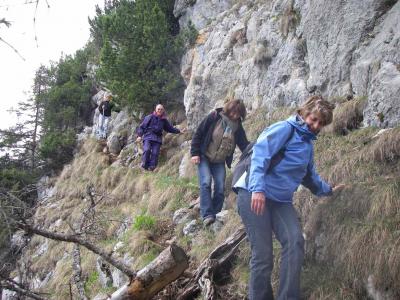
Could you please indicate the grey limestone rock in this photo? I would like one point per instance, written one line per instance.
(182, 215)
(278, 53)
(191, 228)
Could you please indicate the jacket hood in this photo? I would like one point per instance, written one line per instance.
(297, 122)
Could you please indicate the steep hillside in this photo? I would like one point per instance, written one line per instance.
(352, 240)
(273, 55)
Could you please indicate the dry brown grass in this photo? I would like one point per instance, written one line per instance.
(385, 148)
(259, 120)
(360, 226)
(347, 116)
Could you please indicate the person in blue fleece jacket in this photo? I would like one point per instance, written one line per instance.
(265, 201)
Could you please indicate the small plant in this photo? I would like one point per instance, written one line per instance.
(187, 37)
(91, 281)
(144, 222)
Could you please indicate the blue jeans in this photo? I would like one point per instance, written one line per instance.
(102, 126)
(282, 219)
(211, 205)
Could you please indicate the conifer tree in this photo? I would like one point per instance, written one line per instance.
(139, 55)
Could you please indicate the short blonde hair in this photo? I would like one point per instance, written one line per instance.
(318, 106)
(237, 106)
(107, 96)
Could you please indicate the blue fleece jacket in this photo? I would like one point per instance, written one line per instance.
(296, 167)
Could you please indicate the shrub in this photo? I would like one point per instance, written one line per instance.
(57, 148)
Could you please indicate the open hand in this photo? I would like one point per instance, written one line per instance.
(183, 130)
(258, 203)
(139, 139)
(196, 160)
(337, 188)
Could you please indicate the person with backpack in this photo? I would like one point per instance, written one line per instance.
(105, 108)
(265, 196)
(212, 146)
(150, 131)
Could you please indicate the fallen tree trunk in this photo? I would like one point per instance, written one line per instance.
(203, 277)
(167, 267)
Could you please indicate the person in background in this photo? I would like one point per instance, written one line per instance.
(105, 108)
(150, 132)
(265, 201)
(212, 146)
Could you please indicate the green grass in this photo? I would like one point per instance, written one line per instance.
(91, 282)
(144, 222)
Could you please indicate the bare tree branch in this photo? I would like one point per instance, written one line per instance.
(5, 22)
(12, 285)
(78, 240)
(11, 46)
(203, 277)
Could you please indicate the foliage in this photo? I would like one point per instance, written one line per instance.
(66, 106)
(144, 222)
(139, 52)
(91, 281)
(58, 147)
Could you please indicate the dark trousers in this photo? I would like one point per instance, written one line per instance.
(151, 150)
(280, 218)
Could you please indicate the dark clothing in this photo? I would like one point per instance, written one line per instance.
(203, 135)
(151, 130)
(151, 150)
(105, 108)
(152, 127)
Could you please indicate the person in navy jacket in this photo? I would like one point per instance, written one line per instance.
(265, 201)
(150, 131)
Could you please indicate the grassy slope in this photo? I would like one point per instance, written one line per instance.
(360, 228)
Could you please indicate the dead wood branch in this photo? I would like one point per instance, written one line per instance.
(80, 241)
(167, 267)
(203, 277)
(12, 285)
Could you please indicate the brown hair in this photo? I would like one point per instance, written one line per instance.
(237, 106)
(319, 106)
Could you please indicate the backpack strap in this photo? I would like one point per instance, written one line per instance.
(276, 159)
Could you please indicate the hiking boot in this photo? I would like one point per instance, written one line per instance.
(208, 221)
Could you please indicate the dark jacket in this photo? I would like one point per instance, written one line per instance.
(202, 137)
(105, 108)
(152, 127)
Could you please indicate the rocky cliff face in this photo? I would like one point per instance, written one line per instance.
(277, 53)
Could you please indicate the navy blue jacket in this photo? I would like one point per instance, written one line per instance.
(152, 127)
(202, 137)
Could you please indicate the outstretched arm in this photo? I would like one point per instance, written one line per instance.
(314, 183)
(169, 128)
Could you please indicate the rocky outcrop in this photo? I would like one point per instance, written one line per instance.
(277, 53)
